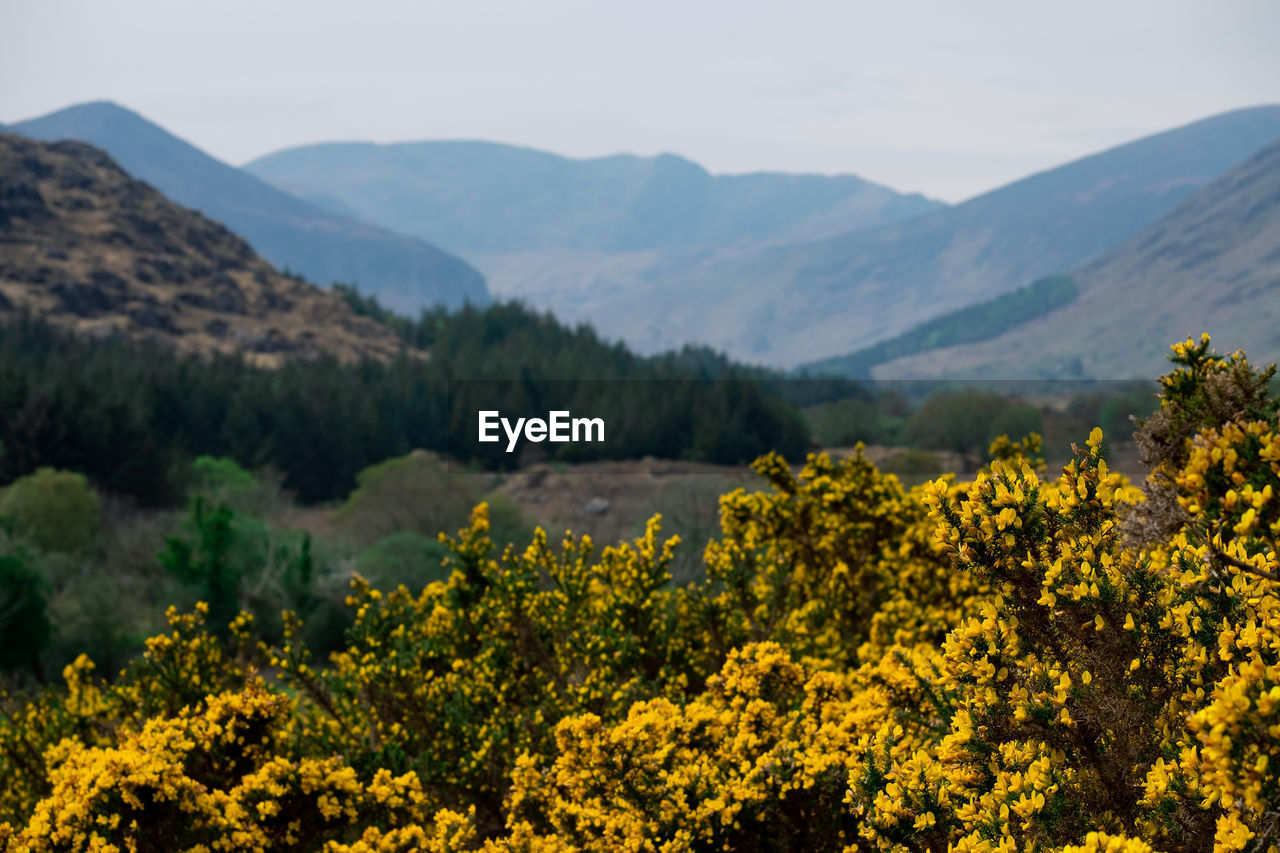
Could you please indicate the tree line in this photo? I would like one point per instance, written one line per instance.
(128, 413)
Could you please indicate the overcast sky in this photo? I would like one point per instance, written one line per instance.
(947, 98)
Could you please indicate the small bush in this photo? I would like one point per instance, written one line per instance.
(967, 421)
(220, 480)
(407, 557)
(912, 462)
(24, 624)
(413, 492)
(57, 511)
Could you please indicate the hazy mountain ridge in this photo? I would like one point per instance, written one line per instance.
(485, 198)
(1213, 265)
(785, 303)
(404, 272)
(852, 291)
(91, 249)
(623, 243)
(978, 322)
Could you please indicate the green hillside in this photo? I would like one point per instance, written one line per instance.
(1212, 265)
(975, 323)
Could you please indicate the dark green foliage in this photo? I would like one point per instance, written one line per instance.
(205, 561)
(299, 575)
(234, 562)
(24, 624)
(844, 423)
(57, 511)
(967, 421)
(417, 334)
(407, 557)
(125, 415)
(527, 333)
(980, 322)
(86, 407)
(912, 462)
(217, 475)
(1110, 408)
(408, 493)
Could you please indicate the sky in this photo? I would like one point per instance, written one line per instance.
(946, 98)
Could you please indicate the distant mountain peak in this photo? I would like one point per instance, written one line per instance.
(100, 107)
(101, 115)
(485, 198)
(405, 273)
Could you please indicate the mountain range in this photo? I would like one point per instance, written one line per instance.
(91, 249)
(772, 269)
(1212, 265)
(783, 305)
(404, 272)
(1171, 230)
(482, 198)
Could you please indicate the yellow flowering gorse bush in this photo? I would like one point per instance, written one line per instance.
(1025, 661)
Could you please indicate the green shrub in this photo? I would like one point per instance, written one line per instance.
(414, 492)
(103, 615)
(221, 480)
(215, 474)
(406, 557)
(204, 561)
(912, 462)
(506, 522)
(234, 562)
(24, 624)
(843, 423)
(54, 510)
(967, 421)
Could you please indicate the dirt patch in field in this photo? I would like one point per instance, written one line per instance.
(612, 501)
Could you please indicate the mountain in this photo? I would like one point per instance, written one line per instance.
(971, 324)
(405, 273)
(1212, 265)
(761, 298)
(791, 304)
(482, 199)
(93, 250)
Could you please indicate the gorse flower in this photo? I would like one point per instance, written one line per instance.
(1025, 661)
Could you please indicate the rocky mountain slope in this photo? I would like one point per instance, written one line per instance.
(1212, 265)
(803, 302)
(405, 273)
(758, 299)
(91, 249)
